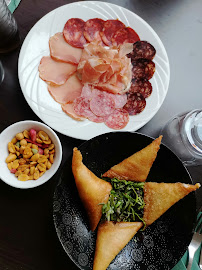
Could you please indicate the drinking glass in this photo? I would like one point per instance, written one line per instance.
(9, 34)
(183, 135)
(1, 73)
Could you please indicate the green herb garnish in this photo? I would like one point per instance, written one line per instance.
(126, 202)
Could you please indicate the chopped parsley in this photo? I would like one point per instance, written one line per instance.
(126, 202)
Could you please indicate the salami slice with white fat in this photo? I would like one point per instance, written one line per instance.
(102, 104)
(143, 87)
(92, 29)
(118, 119)
(135, 103)
(142, 49)
(73, 32)
(109, 29)
(82, 108)
(119, 100)
(125, 35)
(143, 69)
(86, 91)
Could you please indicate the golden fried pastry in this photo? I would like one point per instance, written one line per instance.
(159, 197)
(111, 238)
(136, 167)
(92, 190)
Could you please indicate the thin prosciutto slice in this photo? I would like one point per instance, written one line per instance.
(62, 51)
(55, 72)
(67, 92)
(106, 69)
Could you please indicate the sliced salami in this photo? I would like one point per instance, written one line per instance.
(143, 69)
(109, 29)
(102, 104)
(143, 87)
(86, 91)
(142, 49)
(118, 119)
(120, 100)
(135, 103)
(126, 35)
(92, 29)
(73, 32)
(82, 108)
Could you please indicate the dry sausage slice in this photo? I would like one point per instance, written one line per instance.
(143, 69)
(109, 29)
(135, 104)
(92, 29)
(142, 49)
(126, 35)
(102, 104)
(73, 32)
(118, 119)
(143, 87)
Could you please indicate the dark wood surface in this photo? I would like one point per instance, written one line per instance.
(28, 240)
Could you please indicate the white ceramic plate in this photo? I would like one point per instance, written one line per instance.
(36, 46)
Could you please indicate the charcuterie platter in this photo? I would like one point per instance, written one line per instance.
(105, 101)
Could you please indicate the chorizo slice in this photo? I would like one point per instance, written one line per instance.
(92, 29)
(73, 32)
(143, 69)
(109, 29)
(143, 87)
(126, 35)
(142, 49)
(118, 119)
(135, 103)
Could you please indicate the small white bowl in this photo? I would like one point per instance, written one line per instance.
(7, 135)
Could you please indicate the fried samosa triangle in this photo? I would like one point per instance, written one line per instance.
(159, 197)
(92, 190)
(111, 239)
(136, 167)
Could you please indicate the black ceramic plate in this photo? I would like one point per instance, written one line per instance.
(162, 244)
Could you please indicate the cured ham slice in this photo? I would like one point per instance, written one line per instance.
(69, 110)
(55, 72)
(73, 32)
(109, 29)
(62, 51)
(92, 29)
(67, 92)
(104, 69)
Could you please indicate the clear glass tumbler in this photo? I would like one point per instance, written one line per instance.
(183, 135)
(9, 34)
(1, 72)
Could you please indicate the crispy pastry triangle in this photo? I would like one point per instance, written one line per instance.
(136, 167)
(159, 197)
(111, 238)
(92, 190)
